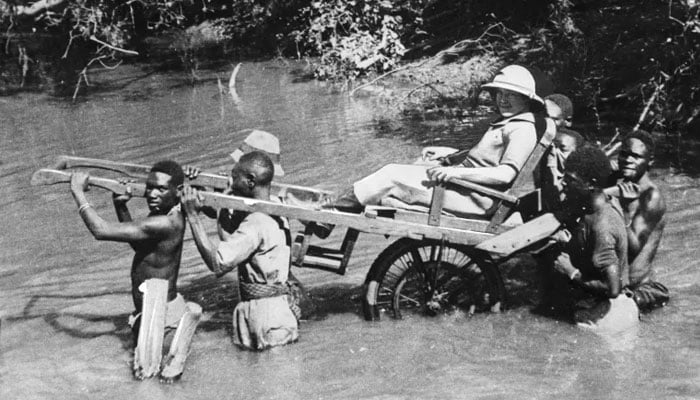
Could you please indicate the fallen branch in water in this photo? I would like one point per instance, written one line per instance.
(232, 80)
(232, 84)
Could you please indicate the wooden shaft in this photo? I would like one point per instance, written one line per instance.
(209, 180)
(51, 176)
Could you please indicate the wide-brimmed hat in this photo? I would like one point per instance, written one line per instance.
(528, 81)
(262, 141)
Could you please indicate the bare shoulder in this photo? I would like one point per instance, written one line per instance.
(652, 200)
(173, 222)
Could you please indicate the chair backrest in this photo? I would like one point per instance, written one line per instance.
(529, 173)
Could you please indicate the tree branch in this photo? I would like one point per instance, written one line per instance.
(32, 10)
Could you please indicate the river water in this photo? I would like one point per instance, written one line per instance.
(64, 297)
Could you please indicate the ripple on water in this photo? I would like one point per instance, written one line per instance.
(65, 297)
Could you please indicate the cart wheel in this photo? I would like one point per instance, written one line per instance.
(429, 277)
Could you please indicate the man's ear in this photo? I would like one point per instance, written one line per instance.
(250, 180)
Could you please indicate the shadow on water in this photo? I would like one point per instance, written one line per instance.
(80, 325)
(219, 298)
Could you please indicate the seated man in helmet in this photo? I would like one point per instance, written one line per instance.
(495, 161)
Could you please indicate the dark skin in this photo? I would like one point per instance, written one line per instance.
(244, 182)
(156, 239)
(643, 206)
(587, 198)
(225, 219)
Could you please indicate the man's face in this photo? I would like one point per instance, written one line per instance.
(565, 143)
(578, 193)
(239, 183)
(634, 159)
(160, 194)
(554, 112)
(511, 103)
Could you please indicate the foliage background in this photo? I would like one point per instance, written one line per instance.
(615, 58)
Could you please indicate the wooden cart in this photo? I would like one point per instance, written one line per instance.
(439, 261)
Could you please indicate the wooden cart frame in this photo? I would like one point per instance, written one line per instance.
(438, 261)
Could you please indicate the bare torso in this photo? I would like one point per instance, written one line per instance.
(159, 258)
(645, 225)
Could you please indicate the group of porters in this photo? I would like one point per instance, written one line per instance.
(605, 219)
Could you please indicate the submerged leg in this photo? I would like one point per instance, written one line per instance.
(174, 363)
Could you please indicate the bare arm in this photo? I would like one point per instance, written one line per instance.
(157, 227)
(123, 214)
(119, 201)
(609, 286)
(221, 258)
(648, 217)
(206, 248)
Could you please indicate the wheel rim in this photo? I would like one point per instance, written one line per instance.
(421, 278)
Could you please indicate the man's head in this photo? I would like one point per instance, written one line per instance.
(163, 186)
(560, 109)
(587, 171)
(252, 172)
(567, 141)
(636, 155)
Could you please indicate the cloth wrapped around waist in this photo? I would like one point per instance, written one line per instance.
(253, 291)
(174, 310)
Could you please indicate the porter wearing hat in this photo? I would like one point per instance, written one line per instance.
(262, 141)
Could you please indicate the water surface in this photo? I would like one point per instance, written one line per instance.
(64, 296)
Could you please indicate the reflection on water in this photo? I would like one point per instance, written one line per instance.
(65, 296)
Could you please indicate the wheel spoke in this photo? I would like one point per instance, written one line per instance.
(409, 299)
(432, 277)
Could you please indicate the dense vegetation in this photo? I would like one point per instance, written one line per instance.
(618, 59)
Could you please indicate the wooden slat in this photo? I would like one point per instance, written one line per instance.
(378, 225)
(475, 187)
(436, 205)
(521, 236)
(46, 176)
(209, 180)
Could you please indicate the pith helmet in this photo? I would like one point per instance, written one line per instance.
(262, 141)
(528, 81)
